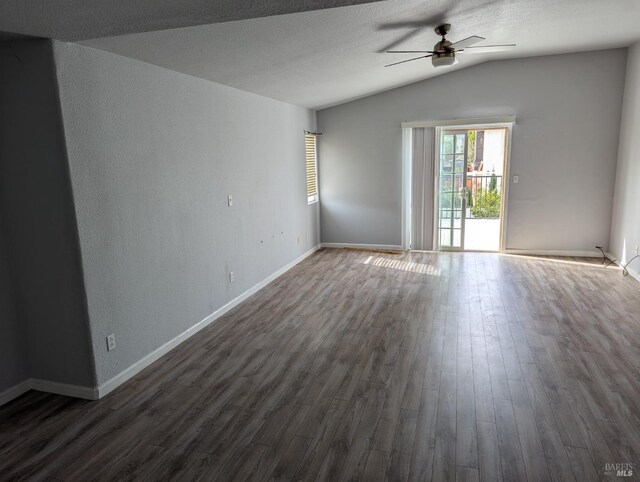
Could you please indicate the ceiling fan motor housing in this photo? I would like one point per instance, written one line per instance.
(443, 54)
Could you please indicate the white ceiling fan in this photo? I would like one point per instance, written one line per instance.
(444, 52)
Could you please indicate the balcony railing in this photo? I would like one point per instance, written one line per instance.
(484, 195)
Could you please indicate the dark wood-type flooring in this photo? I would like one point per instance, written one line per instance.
(369, 366)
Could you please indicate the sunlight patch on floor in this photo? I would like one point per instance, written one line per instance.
(411, 266)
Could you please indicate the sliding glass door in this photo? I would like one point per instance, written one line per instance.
(452, 176)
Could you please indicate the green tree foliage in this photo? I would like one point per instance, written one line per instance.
(471, 148)
(493, 183)
(487, 205)
(447, 144)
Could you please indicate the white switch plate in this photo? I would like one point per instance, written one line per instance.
(516, 179)
(111, 342)
(230, 200)
(232, 276)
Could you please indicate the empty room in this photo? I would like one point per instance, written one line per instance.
(320, 240)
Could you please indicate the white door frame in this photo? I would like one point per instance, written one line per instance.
(505, 183)
(407, 135)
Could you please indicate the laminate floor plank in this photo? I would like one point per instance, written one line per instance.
(386, 428)
(488, 452)
(377, 466)
(424, 444)
(290, 460)
(330, 465)
(535, 462)
(358, 452)
(434, 360)
(508, 442)
(582, 464)
(444, 465)
(415, 381)
(601, 452)
(402, 448)
(466, 474)
(556, 456)
(465, 434)
(497, 373)
(482, 393)
(367, 365)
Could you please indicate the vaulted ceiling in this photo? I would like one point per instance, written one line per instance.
(84, 19)
(320, 53)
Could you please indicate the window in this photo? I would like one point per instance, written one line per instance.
(311, 156)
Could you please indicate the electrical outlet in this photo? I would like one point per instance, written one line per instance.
(111, 342)
(232, 276)
(230, 200)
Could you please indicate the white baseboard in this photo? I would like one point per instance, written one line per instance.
(389, 247)
(633, 268)
(15, 391)
(140, 365)
(94, 393)
(77, 391)
(550, 252)
(634, 272)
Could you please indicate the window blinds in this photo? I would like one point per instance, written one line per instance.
(311, 155)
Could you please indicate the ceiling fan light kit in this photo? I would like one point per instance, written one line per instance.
(444, 52)
(443, 59)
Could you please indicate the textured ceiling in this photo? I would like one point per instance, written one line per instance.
(84, 19)
(320, 56)
(326, 57)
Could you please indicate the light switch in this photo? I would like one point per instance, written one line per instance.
(111, 342)
(516, 179)
(230, 200)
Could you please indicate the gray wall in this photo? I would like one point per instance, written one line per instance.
(153, 154)
(39, 219)
(13, 349)
(564, 148)
(625, 227)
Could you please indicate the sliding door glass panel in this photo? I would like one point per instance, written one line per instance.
(453, 146)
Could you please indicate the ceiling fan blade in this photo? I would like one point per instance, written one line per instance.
(486, 49)
(409, 60)
(410, 51)
(464, 43)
